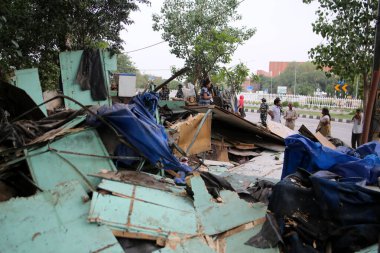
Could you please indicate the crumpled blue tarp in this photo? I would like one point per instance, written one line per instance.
(301, 152)
(135, 121)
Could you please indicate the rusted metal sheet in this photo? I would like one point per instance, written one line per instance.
(233, 122)
(53, 221)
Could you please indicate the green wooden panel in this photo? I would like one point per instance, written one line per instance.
(49, 169)
(193, 245)
(53, 221)
(236, 242)
(29, 81)
(162, 198)
(219, 217)
(153, 212)
(69, 62)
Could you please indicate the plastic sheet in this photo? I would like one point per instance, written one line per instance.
(301, 152)
(135, 121)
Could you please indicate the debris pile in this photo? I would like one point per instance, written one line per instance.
(109, 177)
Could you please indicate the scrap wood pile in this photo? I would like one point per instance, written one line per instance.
(117, 181)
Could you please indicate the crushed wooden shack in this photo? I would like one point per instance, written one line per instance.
(107, 177)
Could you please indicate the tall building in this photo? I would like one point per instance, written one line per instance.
(277, 67)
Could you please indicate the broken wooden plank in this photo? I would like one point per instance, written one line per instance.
(243, 152)
(324, 141)
(235, 211)
(53, 221)
(141, 179)
(218, 163)
(142, 210)
(279, 129)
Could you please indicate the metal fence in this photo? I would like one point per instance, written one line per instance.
(306, 101)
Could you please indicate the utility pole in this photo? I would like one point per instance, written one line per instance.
(271, 83)
(372, 112)
(295, 77)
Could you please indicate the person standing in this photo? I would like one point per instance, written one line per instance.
(357, 129)
(263, 111)
(275, 111)
(241, 106)
(164, 93)
(205, 95)
(324, 126)
(290, 117)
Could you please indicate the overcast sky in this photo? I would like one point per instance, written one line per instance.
(284, 33)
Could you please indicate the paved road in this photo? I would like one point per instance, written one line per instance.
(338, 129)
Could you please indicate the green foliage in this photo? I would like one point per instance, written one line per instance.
(125, 64)
(284, 103)
(296, 104)
(305, 76)
(348, 30)
(233, 77)
(33, 32)
(198, 31)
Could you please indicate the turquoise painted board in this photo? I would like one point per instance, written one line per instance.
(53, 221)
(219, 217)
(236, 242)
(69, 62)
(49, 168)
(193, 245)
(29, 81)
(143, 210)
(371, 249)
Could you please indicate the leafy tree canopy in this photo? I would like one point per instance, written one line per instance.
(199, 32)
(348, 30)
(33, 32)
(232, 77)
(305, 76)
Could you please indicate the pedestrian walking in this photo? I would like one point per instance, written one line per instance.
(357, 129)
(324, 126)
(263, 111)
(290, 116)
(275, 111)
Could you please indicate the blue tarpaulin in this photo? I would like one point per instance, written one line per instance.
(135, 121)
(301, 152)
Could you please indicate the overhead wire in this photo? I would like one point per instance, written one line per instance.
(158, 43)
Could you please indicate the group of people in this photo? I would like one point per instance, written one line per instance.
(275, 112)
(324, 125)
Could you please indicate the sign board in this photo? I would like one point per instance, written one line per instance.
(127, 85)
(249, 88)
(281, 89)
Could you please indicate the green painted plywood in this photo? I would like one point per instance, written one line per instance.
(193, 245)
(220, 217)
(29, 81)
(69, 62)
(49, 168)
(53, 221)
(236, 242)
(143, 210)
